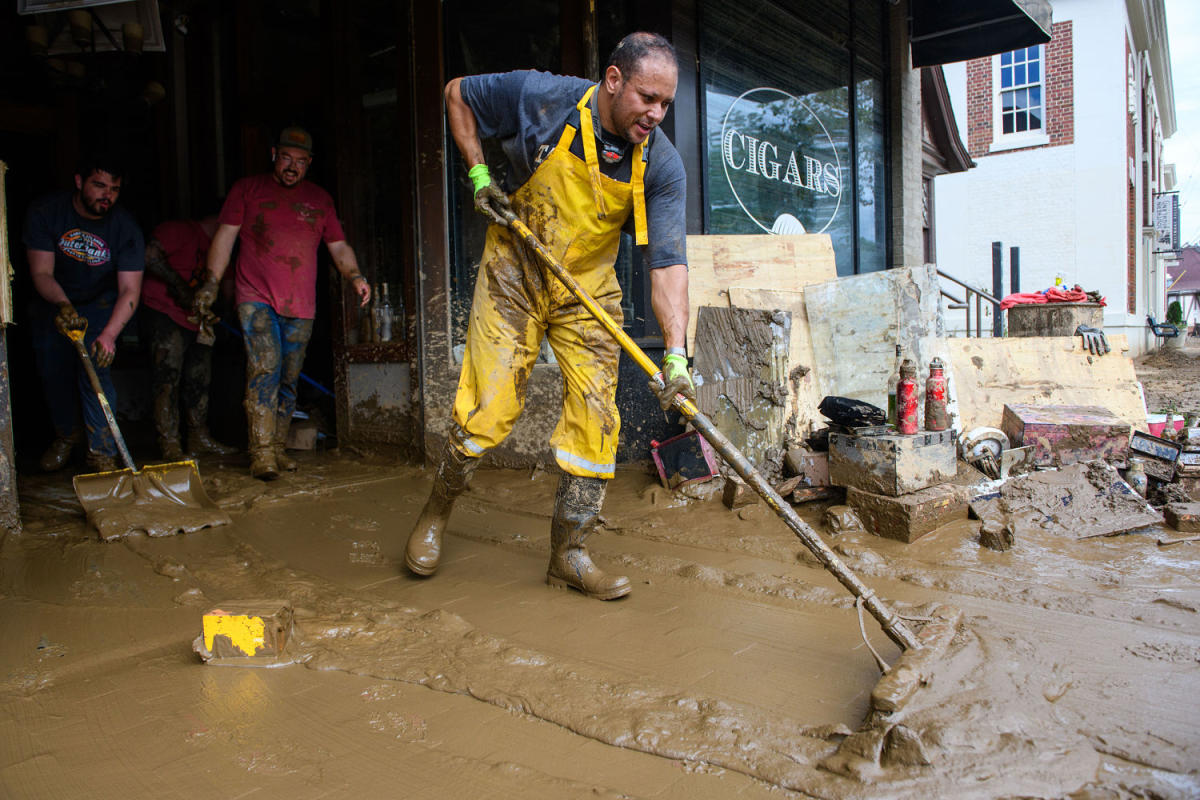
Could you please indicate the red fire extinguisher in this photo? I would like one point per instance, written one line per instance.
(937, 418)
(906, 398)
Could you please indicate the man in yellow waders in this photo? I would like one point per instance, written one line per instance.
(585, 158)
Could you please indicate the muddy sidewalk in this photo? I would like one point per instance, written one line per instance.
(735, 668)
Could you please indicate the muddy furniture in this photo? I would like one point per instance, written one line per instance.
(1062, 435)
(1162, 330)
(1053, 319)
(892, 464)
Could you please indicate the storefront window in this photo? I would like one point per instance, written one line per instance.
(788, 148)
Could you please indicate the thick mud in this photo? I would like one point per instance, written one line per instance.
(735, 668)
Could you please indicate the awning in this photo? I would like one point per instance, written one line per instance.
(945, 31)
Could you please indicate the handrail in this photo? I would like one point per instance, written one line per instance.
(965, 303)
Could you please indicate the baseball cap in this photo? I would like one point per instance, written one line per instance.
(295, 137)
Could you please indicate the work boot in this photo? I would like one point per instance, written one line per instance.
(58, 453)
(576, 514)
(170, 448)
(101, 462)
(201, 443)
(424, 549)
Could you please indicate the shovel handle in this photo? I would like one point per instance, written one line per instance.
(891, 623)
(76, 337)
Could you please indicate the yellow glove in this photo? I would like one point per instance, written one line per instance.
(490, 200)
(677, 379)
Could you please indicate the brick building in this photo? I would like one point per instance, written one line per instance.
(1067, 138)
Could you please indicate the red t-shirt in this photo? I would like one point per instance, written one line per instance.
(186, 246)
(280, 230)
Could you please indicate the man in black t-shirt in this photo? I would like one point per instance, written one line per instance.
(85, 257)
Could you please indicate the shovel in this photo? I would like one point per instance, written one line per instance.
(891, 623)
(160, 500)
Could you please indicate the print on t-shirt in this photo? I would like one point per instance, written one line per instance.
(83, 246)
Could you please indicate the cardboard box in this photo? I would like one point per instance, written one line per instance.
(894, 464)
(1063, 435)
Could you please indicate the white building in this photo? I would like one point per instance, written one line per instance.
(1067, 139)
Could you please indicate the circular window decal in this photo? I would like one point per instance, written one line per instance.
(780, 162)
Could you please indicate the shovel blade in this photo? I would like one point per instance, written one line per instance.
(158, 500)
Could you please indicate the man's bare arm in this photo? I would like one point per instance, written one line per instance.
(669, 300)
(347, 264)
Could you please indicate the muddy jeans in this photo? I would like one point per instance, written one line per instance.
(64, 379)
(178, 365)
(275, 348)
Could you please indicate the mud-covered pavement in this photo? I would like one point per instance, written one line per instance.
(734, 669)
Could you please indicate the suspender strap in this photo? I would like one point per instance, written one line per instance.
(589, 152)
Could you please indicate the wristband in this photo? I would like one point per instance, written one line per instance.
(676, 351)
(358, 277)
(479, 176)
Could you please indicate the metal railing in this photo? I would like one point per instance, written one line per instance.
(979, 297)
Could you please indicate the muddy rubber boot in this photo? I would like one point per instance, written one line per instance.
(170, 448)
(58, 453)
(424, 549)
(100, 462)
(576, 515)
(262, 463)
(261, 421)
(286, 463)
(201, 443)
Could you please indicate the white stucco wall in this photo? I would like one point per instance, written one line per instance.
(1064, 206)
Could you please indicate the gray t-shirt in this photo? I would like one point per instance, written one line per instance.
(526, 112)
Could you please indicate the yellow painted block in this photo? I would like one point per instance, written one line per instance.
(246, 629)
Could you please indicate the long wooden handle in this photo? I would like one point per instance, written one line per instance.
(891, 623)
(76, 336)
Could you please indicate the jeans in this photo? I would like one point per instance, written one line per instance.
(275, 347)
(64, 380)
(179, 366)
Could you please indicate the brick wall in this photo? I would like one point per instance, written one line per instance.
(1058, 95)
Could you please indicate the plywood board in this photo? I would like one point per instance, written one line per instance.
(741, 365)
(803, 396)
(765, 261)
(1053, 370)
(856, 322)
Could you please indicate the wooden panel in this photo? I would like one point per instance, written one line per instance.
(741, 357)
(716, 263)
(988, 373)
(803, 395)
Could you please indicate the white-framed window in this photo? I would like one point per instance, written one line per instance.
(1019, 83)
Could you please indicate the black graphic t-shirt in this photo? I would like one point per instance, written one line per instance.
(88, 253)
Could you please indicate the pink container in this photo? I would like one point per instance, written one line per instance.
(1157, 423)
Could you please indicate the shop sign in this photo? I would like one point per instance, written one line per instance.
(1166, 222)
(780, 162)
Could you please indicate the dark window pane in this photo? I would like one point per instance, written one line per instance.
(1006, 102)
(1008, 123)
(1022, 121)
(1035, 119)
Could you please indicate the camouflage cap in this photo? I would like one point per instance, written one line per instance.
(296, 137)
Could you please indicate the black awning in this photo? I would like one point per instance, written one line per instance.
(945, 31)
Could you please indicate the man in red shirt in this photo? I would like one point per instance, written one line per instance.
(175, 264)
(279, 219)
